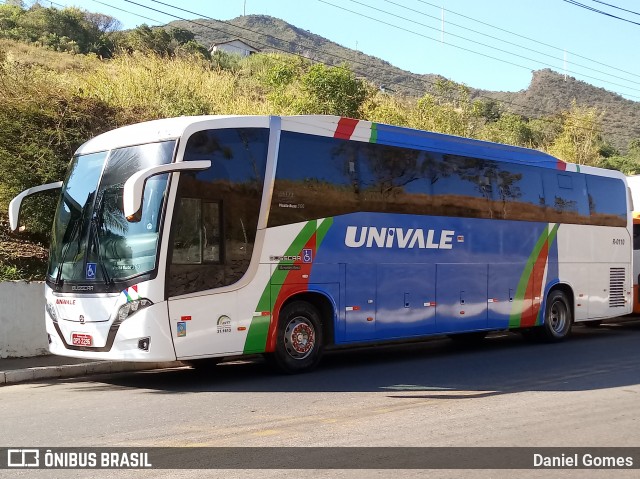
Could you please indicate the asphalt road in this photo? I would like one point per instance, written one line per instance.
(503, 392)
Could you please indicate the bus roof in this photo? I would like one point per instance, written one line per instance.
(139, 133)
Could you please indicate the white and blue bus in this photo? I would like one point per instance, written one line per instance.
(200, 238)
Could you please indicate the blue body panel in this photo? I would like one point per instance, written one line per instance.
(408, 276)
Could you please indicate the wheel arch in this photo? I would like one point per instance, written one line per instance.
(322, 301)
(568, 292)
(325, 306)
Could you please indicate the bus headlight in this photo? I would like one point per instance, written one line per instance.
(132, 307)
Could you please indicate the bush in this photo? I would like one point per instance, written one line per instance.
(334, 91)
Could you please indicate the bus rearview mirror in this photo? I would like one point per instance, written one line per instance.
(134, 186)
(16, 203)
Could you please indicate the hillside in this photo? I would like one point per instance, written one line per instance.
(269, 34)
(549, 93)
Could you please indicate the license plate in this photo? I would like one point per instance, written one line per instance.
(79, 339)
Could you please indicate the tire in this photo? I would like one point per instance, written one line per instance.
(299, 341)
(557, 317)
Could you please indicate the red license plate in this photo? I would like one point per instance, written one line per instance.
(79, 339)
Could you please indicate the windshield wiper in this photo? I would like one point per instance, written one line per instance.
(95, 233)
(65, 250)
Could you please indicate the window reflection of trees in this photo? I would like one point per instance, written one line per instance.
(342, 177)
(229, 193)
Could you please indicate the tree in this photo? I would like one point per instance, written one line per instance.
(580, 139)
(334, 91)
(68, 29)
(629, 164)
(509, 128)
(448, 110)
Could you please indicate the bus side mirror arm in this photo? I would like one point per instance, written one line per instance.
(16, 203)
(134, 186)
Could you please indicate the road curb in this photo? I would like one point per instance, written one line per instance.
(78, 370)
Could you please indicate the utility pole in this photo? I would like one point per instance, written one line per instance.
(244, 8)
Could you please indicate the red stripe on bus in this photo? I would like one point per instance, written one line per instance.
(346, 127)
(534, 288)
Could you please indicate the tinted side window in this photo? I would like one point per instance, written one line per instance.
(319, 177)
(216, 212)
(392, 180)
(465, 187)
(566, 197)
(607, 201)
(316, 178)
(520, 193)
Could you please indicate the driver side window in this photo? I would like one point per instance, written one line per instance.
(216, 213)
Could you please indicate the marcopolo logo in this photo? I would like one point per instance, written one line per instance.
(370, 236)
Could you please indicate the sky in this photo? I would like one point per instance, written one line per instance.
(487, 44)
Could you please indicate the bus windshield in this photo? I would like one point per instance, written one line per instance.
(91, 238)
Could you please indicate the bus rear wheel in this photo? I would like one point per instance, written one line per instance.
(299, 338)
(558, 318)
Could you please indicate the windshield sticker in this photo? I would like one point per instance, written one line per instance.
(91, 271)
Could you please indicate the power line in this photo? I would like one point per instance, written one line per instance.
(126, 11)
(346, 59)
(617, 8)
(469, 40)
(427, 82)
(587, 7)
(350, 60)
(511, 43)
(424, 36)
(524, 37)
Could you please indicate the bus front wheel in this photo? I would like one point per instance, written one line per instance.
(558, 317)
(299, 339)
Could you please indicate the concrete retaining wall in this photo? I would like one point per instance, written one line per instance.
(22, 329)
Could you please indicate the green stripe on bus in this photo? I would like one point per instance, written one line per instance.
(516, 316)
(322, 231)
(259, 328)
(552, 237)
(374, 133)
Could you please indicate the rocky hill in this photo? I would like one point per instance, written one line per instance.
(551, 92)
(548, 94)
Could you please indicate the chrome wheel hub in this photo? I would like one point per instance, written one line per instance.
(299, 338)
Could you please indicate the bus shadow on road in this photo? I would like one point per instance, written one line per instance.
(593, 358)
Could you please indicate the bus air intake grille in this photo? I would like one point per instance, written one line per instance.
(616, 287)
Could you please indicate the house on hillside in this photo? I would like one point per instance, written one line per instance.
(236, 47)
